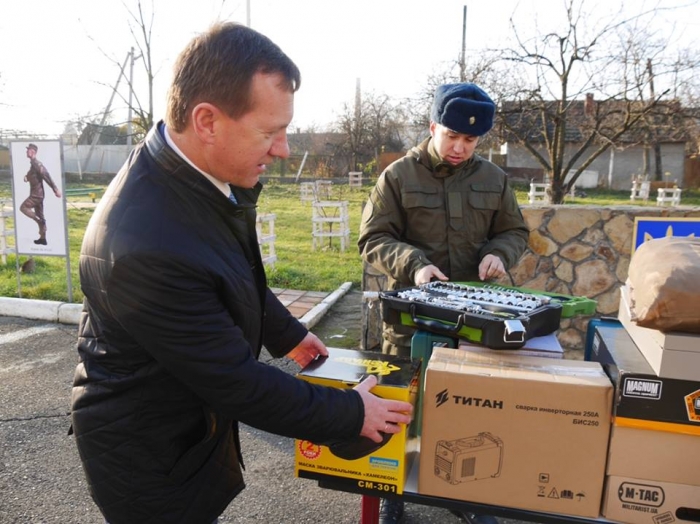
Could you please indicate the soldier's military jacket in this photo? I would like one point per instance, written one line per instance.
(419, 214)
(35, 176)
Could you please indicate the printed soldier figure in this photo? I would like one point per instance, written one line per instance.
(33, 206)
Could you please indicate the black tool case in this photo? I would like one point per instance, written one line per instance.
(498, 317)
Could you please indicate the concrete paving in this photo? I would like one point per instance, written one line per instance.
(41, 480)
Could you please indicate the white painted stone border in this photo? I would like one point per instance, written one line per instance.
(66, 313)
(50, 310)
(316, 313)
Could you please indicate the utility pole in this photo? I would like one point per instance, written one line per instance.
(652, 131)
(356, 125)
(247, 13)
(462, 58)
(129, 118)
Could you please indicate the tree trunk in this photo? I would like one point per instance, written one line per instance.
(657, 163)
(558, 190)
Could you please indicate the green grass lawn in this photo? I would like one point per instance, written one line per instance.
(297, 266)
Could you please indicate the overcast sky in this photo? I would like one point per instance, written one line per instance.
(59, 60)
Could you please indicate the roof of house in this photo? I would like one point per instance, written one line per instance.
(665, 122)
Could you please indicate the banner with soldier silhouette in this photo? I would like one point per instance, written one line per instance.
(37, 196)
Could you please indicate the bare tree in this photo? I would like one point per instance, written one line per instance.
(567, 67)
(371, 127)
(483, 68)
(141, 27)
(138, 104)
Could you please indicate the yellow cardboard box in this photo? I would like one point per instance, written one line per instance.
(362, 463)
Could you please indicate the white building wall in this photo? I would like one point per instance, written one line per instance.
(627, 163)
(104, 158)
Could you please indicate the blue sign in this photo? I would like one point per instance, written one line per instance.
(646, 228)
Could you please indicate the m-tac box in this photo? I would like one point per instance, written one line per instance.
(361, 463)
(639, 501)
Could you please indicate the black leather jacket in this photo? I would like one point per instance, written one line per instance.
(176, 311)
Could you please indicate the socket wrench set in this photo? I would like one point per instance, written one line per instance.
(499, 317)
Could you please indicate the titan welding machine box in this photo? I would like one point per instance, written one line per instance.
(649, 502)
(656, 424)
(523, 432)
(361, 463)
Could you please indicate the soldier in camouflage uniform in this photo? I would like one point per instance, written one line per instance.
(33, 206)
(442, 212)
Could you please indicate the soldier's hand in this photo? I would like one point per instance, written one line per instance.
(427, 273)
(491, 267)
(57, 193)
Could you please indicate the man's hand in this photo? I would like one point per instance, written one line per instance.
(381, 414)
(427, 273)
(308, 350)
(57, 193)
(491, 267)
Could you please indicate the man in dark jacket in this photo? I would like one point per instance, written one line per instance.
(33, 206)
(177, 307)
(442, 212)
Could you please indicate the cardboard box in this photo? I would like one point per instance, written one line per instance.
(523, 432)
(547, 346)
(673, 355)
(656, 424)
(643, 399)
(644, 502)
(654, 455)
(363, 464)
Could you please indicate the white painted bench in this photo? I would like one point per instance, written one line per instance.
(308, 191)
(669, 195)
(330, 220)
(355, 179)
(5, 212)
(640, 190)
(324, 190)
(540, 193)
(265, 228)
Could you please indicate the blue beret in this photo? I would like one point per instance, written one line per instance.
(464, 108)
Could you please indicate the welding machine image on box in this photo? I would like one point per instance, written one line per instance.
(467, 459)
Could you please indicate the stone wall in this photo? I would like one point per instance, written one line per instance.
(573, 250)
(583, 251)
